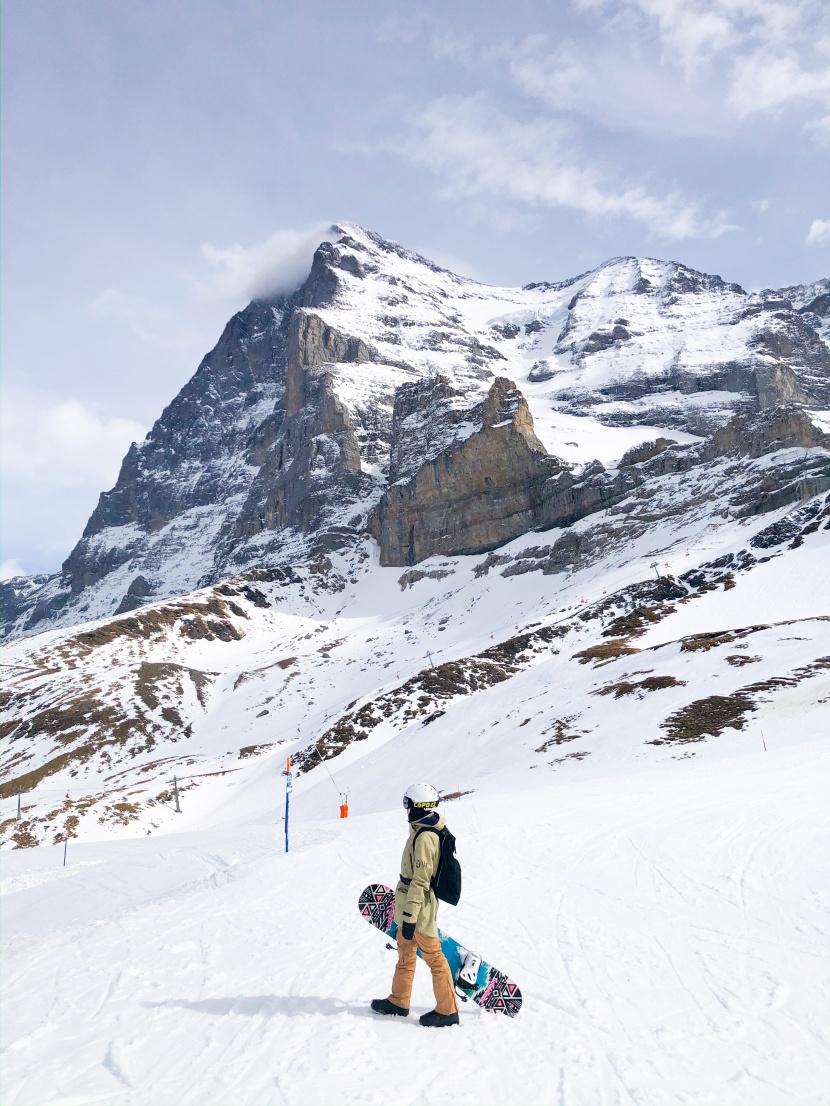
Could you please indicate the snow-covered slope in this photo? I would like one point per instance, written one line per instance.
(289, 437)
(494, 670)
(668, 926)
(642, 766)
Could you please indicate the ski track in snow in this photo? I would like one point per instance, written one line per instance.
(669, 929)
(27, 880)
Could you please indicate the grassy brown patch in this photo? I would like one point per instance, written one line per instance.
(628, 687)
(637, 621)
(422, 694)
(605, 651)
(571, 756)
(562, 731)
(707, 718)
(702, 642)
(151, 677)
(696, 643)
(253, 750)
(23, 837)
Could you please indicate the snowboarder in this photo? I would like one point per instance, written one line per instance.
(416, 910)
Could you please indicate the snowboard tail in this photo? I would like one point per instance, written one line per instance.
(490, 989)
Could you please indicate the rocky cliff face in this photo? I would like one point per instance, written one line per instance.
(480, 492)
(390, 395)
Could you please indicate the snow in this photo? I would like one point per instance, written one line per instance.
(668, 928)
(662, 906)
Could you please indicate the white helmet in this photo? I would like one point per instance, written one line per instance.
(420, 796)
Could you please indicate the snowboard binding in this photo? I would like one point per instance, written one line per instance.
(468, 972)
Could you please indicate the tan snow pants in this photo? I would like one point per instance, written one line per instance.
(436, 962)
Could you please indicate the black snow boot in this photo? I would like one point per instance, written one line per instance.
(384, 1006)
(438, 1020)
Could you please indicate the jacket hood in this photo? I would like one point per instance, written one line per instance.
(432, 820)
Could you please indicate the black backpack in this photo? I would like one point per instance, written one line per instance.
(446, 883)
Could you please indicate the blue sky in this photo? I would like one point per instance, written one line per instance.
(162, 159)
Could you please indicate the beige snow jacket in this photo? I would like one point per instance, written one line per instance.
(417, 902)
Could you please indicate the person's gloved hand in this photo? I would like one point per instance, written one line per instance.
(408, 930)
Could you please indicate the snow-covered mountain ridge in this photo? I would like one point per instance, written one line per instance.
(562, 551)
(365, 401)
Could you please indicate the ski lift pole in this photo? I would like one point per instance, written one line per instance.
(65, 846)
(288, 790)
(17, 819)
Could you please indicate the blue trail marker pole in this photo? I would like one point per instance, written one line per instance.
(288, 790)
(65, 846)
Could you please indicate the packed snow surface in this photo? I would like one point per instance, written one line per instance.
(669, 929)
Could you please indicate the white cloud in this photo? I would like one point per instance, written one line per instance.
(9, 569)
(52, 446)
(769, 55)
(626, 90)
(766, 83)
(691, 33)
(232, 276)
(479, 151)
(819, 232)
(279, 264)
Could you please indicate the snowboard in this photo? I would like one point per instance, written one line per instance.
(485, 985)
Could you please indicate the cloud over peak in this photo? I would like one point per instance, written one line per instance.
(277, 265)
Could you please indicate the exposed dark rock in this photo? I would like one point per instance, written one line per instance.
(140, 587)
(605, 339)
(540, 371)
(479, 493)
(138, 590)
(782, 427)
(819, 306)
(646, 451)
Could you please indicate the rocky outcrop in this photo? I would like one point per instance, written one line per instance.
(481, 492)
(196, 455)
(783, 427)
(427, 418)
(311, 344)
(312, 470)
(137, 592)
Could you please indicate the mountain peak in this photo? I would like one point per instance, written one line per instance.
(313, 407)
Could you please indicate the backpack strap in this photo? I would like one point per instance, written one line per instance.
(428, 829)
